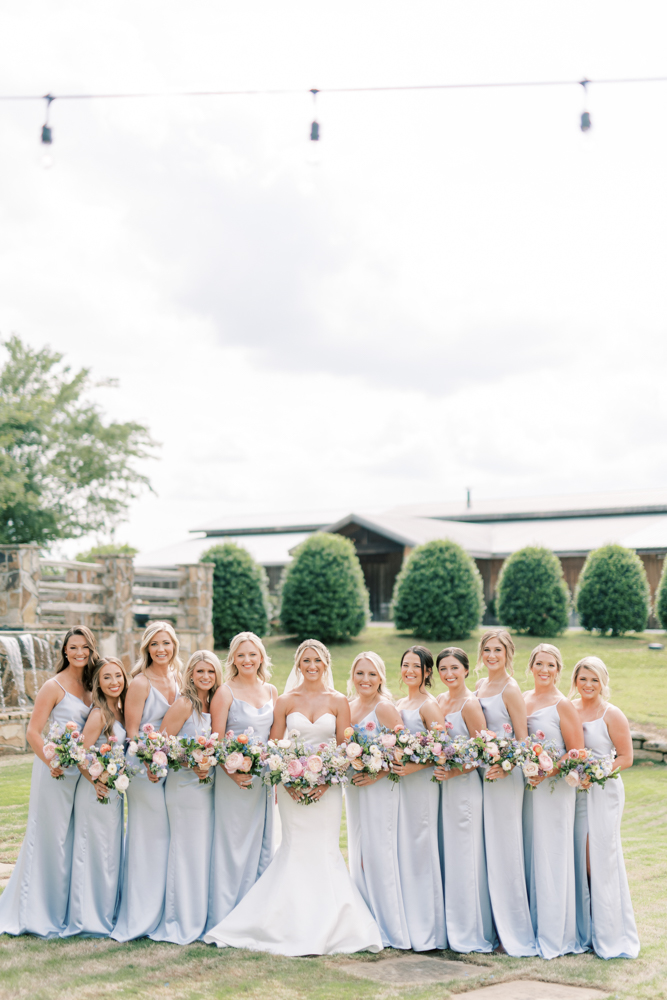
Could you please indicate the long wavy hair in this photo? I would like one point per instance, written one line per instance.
(145, 661)
(93, 659)
(100, 699)
(378, 663)
(505, 639)
(231, 670)
(188, 689)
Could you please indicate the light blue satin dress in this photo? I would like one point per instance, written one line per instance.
(243, 833)
(548, 831)
(605, 918)
(503, 840)
(372, 836)
(190, 811)
(97, 857)
(418, 853)
(467, 903)
(146, 849)
(35, 900)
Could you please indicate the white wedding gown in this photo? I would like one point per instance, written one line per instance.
(305, 903)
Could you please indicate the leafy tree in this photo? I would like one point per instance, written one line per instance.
(613, 593)
(240, 593)
(64, 471)
(438, 593)
(99, 551)
(323, 595)
(533, 596)
(661, 598)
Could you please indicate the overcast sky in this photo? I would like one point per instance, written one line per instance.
(465, 290)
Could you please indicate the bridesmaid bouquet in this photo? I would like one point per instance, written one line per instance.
(487, 748)
(581, 765)
(64, 747)
(151, 749)
(369, 750)
(108, 765)
(456, 753)
(243, 754)
(193, 751)
(539, 757)
(420, 748)
(297, 764)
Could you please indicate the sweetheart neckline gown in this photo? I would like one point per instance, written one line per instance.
(305, 903)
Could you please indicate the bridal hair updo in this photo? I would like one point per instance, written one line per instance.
(597, 667)
(231, 670)
(426, 661)
(93, 659)
(378, 663)
(458, 654)
(546, 647)
(505, 639)
(318, 647)
(100, 699)
(189, 690)
(145, 661)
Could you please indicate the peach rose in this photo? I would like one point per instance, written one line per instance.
(314, 764)
(233, 762)
(245, 765)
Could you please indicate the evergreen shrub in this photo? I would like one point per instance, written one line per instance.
(661, 598)
(323, 593)
(613, 594)
(532, 596)
(438, 593)
(240, 593)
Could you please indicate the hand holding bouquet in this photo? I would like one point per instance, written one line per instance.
(456, 754)
(302, 767)
(487, 748)
(64, 748)
(196, 752)
(581, 769)
(539, 757)
(108, 766)
(242, 754)
(151, 749)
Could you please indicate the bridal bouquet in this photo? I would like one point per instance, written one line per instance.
(242, 754)
(539, 757)
(64, 747)
(296, 764)
(151, 749)
(108, 765)
(193, 751)
(487, 748)
(582, 765)
(369, 749)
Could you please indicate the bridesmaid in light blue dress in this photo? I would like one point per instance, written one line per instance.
(36, 897)
(98, 829)
(419, 813)
(371, 805)
(190, 808)
(502, 704)
(463, 858)
(244, 807)
(605, 919)
(152, 691)
(548, 813)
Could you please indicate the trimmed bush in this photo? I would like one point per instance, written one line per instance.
(532, 593)
(438, 593)
(323, 595)
(661, 598)
(613, 594)
(240, 593)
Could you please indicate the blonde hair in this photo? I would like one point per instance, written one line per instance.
(188, 689)
(232, 671)
(100, 699)
(312, 644)
(378, 663)
(546, 647)
(503, 637)
(597, 667)
(145, 661)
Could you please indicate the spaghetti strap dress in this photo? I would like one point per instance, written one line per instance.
(605, 918)
(97, 858)
(463, 857)
(146, 848)
(372, 835)
(35, 900)
(548, 827)
(243, 829)
(503, 838)
(190, 812)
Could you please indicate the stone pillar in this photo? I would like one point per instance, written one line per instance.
(195, 605)
(19, 585)
(117, 617)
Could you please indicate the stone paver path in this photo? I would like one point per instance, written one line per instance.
(531, 990)
(414, 969)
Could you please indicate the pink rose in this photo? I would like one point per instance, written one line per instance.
(437, 749)
(160, 758)
(370, 726)
(75, 734)
(233, 762)
(507, 727)
(354, 750)
(49, 750)
(539, 734)
(388, 740)
(245, 765)
(546, 762)
(314, 764)
(573, 779)
(573, 754)
(294, 768)
(147, 728)
(493, 749)
(448, 724)
(95, 769)
(113, 739)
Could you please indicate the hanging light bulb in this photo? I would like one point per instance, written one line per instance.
(585, 123)
(47, 136)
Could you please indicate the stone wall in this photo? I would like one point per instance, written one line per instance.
(648, 748)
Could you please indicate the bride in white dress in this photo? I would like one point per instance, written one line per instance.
(305, 903)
